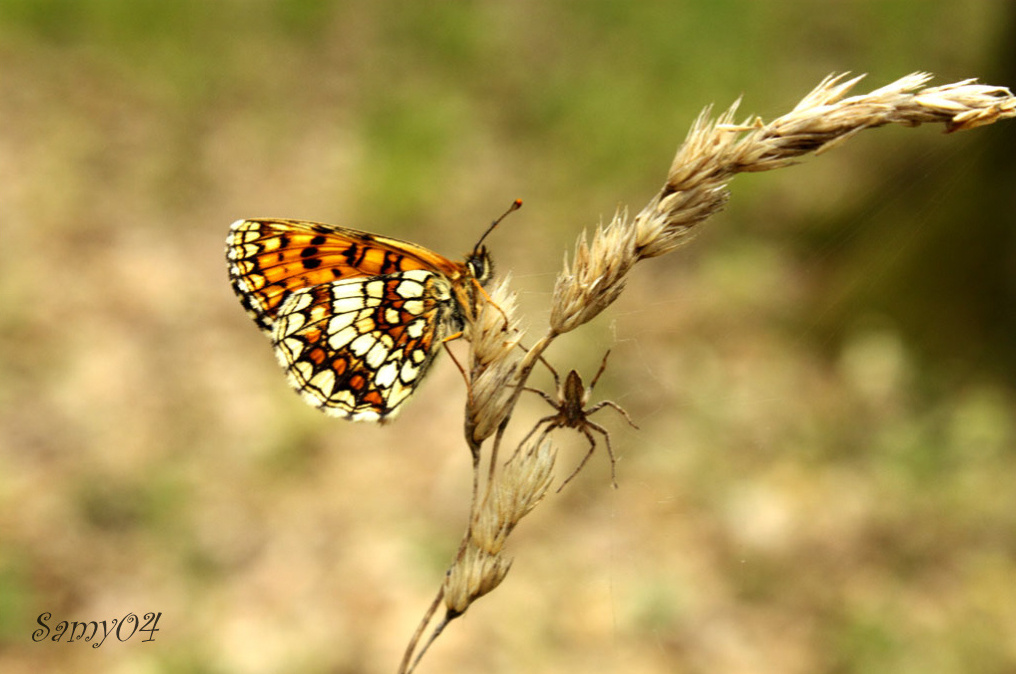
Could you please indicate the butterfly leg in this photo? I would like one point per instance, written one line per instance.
(490, 300)
(462, 370)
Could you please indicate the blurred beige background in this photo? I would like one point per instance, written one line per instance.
(825, 380)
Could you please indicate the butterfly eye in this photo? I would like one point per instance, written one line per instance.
(479, 265)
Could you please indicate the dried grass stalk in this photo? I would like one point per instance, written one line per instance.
(715, 151)
(521, 485)
(480, 565)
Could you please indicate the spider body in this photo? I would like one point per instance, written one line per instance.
(572, 398)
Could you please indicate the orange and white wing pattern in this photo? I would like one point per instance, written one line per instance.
(269, 259)
(355, 318)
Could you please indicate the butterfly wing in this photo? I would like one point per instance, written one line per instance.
(270, 259)
(357, 348)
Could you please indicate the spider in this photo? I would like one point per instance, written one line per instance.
(572, 412)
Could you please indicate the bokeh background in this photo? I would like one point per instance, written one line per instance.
(825, 380)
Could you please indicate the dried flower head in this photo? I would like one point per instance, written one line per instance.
(596, 276)
(494, 338)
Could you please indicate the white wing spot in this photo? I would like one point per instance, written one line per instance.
(342, 337)
(415, 328)
(297, 302)
(385, 376)
(347, 304)
(323, 381)
(340, 322)
(409, 288)
(376, 356)
(398, 394)
(365, 325)
(287, 324)
(361, 344)
(292, 348)
(409, 372)
(344, 398)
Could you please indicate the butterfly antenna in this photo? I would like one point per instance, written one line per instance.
(516, 205)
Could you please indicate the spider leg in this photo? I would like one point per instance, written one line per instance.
(585, 459)
(603, 366)
(545, 420)
(550, 401)
(609, 403)
(610, 451)
(592, 448)
(557, 380)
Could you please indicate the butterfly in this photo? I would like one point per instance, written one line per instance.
(355, 318)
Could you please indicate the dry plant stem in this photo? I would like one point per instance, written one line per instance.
(493, 336)
(481, 565)
(438, 629)
(525, 369)
(408, 663)
(696, 187)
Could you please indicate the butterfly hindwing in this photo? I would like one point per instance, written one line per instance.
(357, 348)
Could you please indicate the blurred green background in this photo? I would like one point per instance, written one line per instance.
(825, 379)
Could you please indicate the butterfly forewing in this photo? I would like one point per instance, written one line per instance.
(355, 318)
(269, 259)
